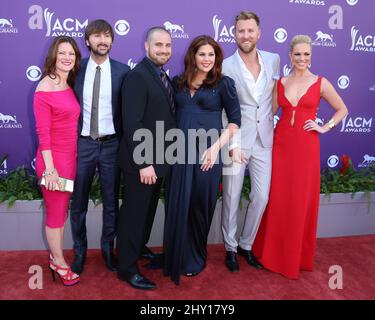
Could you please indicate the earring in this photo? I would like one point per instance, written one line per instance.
(309, 66)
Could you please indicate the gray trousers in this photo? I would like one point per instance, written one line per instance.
(259, 166)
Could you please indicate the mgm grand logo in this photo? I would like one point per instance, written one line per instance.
(176, 30)
(324, 39)
(7, 26)
(9, 122)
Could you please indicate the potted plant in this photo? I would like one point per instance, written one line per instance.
(346, 208)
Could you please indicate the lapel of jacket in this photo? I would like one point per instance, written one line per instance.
(267, 68)
(157, 80)
(114, 79)
(80, 80)
(78, 88)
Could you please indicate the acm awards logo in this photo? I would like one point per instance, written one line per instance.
(356, 125)
(286, 70)
(33, 164)
(361, 42)
(131, 64)
(309, 2)
(55, 26)
(8, 121)
(6, 26)
(323, 39)
(275, 120)
(4, 168)
(223, 33)
(177, 31)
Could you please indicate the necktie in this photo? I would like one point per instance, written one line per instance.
(94, 126)
(169, 88)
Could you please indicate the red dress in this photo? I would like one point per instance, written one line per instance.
(56, 116)
(286, 239)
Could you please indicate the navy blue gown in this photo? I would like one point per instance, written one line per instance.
(192, 194)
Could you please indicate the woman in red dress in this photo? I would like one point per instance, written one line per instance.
(286, 239)
(56, 113)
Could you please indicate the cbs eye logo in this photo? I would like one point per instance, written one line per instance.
(351, 2)
(33, 73)
(280, 35)
(343, 82)
(122, 27)
(333, 161)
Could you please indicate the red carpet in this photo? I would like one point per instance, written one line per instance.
(354, 254)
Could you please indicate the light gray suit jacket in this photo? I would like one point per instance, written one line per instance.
(256, 117)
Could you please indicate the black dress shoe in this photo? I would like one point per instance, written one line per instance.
(156, 263)
(249, 257)
(78, 263)
(147, 253)
(231, 261)
(191, 274)
(110, 260)
(138, 281)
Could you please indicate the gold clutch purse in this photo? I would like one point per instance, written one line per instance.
(67, 185)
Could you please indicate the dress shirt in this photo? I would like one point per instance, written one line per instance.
(105, 117)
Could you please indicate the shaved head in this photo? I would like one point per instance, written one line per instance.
(153, 30)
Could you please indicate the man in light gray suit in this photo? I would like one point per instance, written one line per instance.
(255, 73)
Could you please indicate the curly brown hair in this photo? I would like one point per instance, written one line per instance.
(213, 76)
(50, 62)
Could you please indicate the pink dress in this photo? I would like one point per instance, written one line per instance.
(56, 115)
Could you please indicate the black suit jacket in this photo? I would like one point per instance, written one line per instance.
(118, 73)
(145, 101)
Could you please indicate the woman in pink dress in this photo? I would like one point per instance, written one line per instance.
(56, 113)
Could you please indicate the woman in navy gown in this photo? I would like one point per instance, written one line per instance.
(201, 94)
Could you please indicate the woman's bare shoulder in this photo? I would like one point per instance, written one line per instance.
(46, 85)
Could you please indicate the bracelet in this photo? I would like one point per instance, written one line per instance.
(331, 123)
(45, 174)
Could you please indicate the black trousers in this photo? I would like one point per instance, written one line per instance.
(135, 220)
(92, 156)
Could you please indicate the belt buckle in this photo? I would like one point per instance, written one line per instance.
(105, 138)
(102, 138)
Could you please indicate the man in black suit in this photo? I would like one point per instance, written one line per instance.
(98, 88)
(147, 101)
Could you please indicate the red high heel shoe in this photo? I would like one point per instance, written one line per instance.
(67, 276)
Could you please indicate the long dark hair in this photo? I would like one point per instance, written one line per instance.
(213, 76)
(50, 62)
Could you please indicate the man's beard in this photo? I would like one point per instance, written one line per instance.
(158, 60)
(100, 53)
(246, 50)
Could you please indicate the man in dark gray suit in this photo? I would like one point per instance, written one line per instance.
(98, 88)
